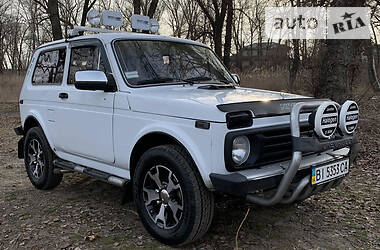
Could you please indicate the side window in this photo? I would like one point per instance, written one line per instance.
(49, 68)
(84, 58)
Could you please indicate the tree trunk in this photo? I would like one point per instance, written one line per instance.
(217, 37)
(33, 23)
(1, 50)
(152, 8)
(228, 37)
(295, 63)
(84, 12)
(216, 20)
(54, 19)
(335, 75)
(372, 75)
(137, 7)
(337, 71)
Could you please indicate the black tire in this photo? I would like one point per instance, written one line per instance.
(197, 201)
(44, 178)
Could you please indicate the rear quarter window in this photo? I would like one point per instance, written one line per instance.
(49, 67)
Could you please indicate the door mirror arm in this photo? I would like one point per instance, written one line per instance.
(111, 83)
(236, 78)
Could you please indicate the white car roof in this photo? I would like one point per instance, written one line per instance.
(109, 37)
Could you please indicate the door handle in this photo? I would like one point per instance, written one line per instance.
(63, 95)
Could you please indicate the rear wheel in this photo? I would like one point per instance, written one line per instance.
(38, 159)
(171, 198)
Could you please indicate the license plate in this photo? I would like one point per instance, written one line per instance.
(329, 171)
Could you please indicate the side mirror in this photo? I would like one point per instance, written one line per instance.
(236, 78)
(91, 80)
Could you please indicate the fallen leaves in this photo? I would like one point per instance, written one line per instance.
(91, 236)
(345, 217)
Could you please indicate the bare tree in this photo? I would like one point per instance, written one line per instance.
(216, 12)
(52, 10)
(338, 66)
(239, 25)
(185, 19)
(4, 6)
(176, 18)
(295, 59)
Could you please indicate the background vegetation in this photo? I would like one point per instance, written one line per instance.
(327, 68)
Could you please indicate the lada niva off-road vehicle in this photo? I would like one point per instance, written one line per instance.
(167, 116)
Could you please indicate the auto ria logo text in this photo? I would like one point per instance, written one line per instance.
(317, 22)
(349, 24)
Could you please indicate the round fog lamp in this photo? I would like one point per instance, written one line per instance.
(240, 149)
(348, 117)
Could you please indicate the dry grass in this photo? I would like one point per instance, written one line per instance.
(274, 78)
(10, 86)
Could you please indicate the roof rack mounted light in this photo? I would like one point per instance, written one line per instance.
(144, 23)
(75, 31)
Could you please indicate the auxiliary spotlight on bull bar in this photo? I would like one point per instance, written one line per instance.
(300, 145)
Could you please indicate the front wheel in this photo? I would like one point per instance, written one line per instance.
(171, 198)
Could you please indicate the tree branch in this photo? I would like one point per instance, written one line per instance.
(206, 12)
(41, 4)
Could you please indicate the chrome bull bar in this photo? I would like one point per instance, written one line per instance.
(292, 169)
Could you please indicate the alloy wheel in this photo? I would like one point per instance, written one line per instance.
(163, 197)
(36, 158)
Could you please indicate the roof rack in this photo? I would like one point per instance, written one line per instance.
(76, 29)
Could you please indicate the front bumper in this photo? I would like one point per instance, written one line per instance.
(269, 177)
(289, 180)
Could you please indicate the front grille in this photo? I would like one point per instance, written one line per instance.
(268, 145)
(275, 144)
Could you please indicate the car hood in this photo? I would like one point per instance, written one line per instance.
(191, 102)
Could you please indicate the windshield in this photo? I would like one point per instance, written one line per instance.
(157, 62)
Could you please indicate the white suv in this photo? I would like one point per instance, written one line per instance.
(165, 116)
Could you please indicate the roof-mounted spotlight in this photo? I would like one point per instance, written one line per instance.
(112, 18)
(93, 17)
(145, 23)
(108, 19)
(154, 26)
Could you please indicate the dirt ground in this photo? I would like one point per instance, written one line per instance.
(83, 213)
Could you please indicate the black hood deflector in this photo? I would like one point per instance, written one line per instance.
(267, 108)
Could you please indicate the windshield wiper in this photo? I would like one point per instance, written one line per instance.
(226, 81)
(155, 80)
(164, 80)
(191, 80)
(206, 78)
(199, 78)
(194, 80)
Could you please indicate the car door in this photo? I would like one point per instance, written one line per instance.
(85, 117)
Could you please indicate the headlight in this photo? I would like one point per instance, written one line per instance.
(240, 149)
